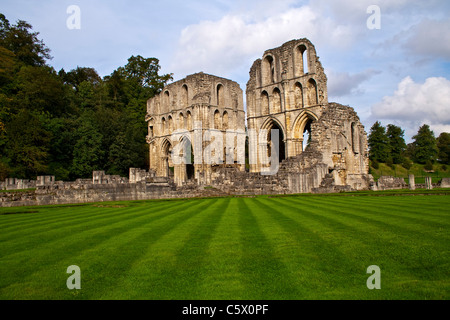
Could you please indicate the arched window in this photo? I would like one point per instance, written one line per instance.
(167, 100)
(181, 122)
(170, 124)
(151, 125)
(355, 138)
(312, 92)
(217, 122)
(163, 125)
(276, 103)
(300, 60)
(225, 121)
(189, 120)
(268, 70)
(184, 96)
(264, 103)
(307, 134)
(298, 95)
(220, 96)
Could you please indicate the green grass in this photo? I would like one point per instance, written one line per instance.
(295, 247)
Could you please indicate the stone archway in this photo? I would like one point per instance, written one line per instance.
(273, 124)
(301, 133)
(166, 161)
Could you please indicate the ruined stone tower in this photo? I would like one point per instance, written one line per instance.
(188, 115)
(320, 145)
(287, 90)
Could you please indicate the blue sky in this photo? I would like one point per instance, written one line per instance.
(397, 74)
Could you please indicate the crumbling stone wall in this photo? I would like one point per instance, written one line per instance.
(287, 90)
(187, 109)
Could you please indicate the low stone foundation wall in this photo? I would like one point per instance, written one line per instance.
(391, 183)
(289, 179)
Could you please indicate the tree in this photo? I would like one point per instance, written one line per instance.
(443, 145)
(397, 143)
(142, 73)
(24, 43)
(79, 75)
(424, 143)
(378, 143)
(88, 151)
(27, 145)
(40, 89)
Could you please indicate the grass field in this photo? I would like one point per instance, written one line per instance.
(296, 247)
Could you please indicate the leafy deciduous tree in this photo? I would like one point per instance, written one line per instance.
(378, 143)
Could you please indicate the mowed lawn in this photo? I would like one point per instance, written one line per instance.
(296, 247)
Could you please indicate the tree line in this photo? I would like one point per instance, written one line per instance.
(69, 123)
(387, 145)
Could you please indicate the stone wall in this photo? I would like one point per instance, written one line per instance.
(17, 184)
(445, 183)
(184, 117)
(390, 183)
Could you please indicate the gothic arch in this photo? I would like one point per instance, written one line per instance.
(298, 95)
(300, 60)
(189, 120)
(273, 123)
(225, 121)
(217, 120)
(268, 70)
(311, 98)
(301, 123)
(166, 164)
(184, 96)
(166, 100)
(264, 103)
(151, 127)
(276, 101)
(220, 91)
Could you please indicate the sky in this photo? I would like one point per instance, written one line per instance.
(390, 62)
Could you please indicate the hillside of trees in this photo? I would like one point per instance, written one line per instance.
(69, 123)
(388, 151)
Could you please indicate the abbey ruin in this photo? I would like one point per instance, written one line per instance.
(318, 145)
(202, 143)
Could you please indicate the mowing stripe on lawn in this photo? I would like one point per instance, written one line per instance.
(61, 246)
(223, 279)
(134, 249)
(380, 217)
(171, 267)
(41, 217)
(231, 248)
(429, 205)
(61, 215)
(374, 213)
(60, 232)
(69, 250)
(409, 212)
(323, 265)
(265, 275)
(401, 255)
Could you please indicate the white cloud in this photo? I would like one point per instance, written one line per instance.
(430, 38)
(219, 47)
(414, 104)
(344, 83)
